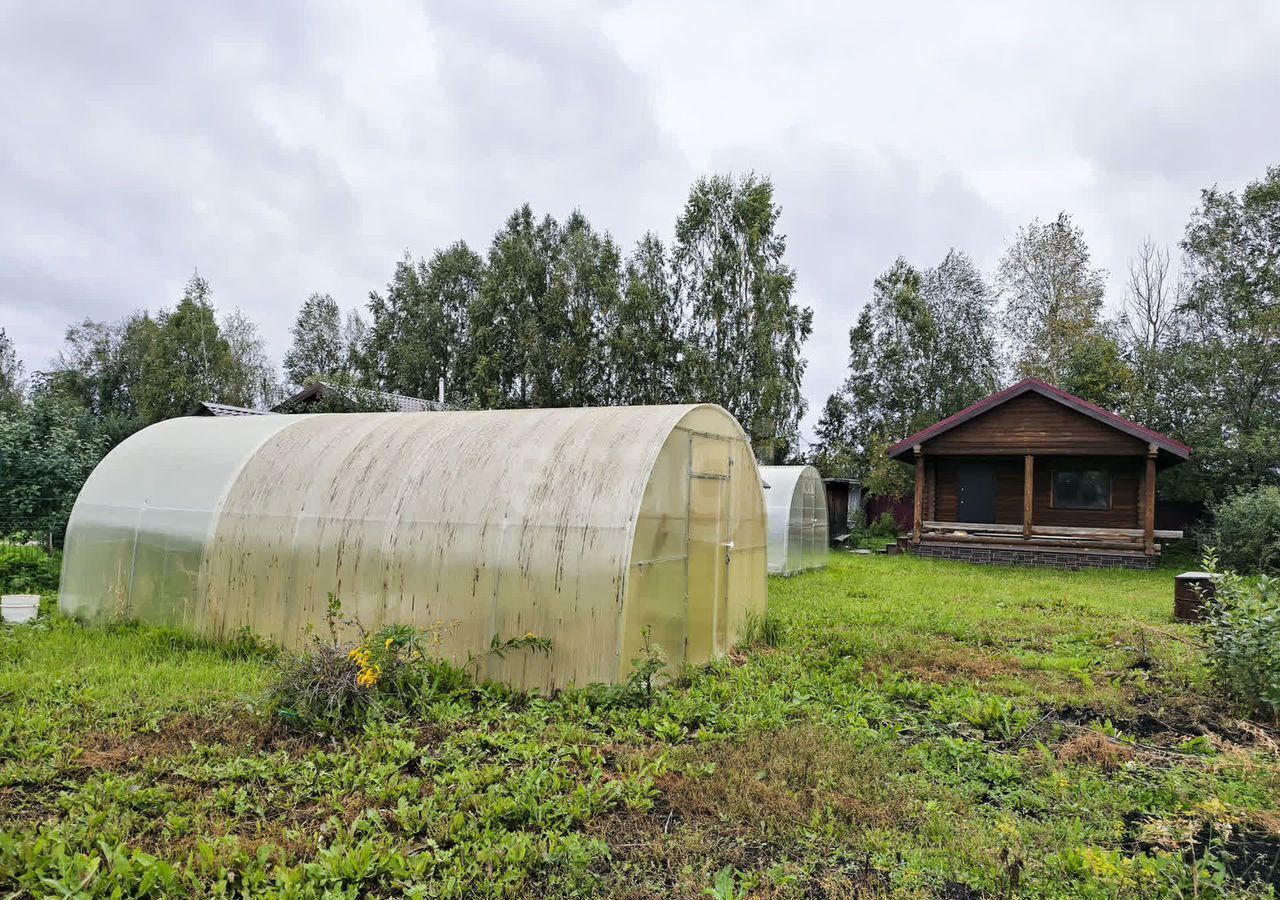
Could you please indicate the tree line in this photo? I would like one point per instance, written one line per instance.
(1192, 350)
(556, 313)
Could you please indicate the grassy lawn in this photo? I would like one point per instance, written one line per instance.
(922, 729)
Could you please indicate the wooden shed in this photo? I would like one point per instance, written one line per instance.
(844, 504)
(1033, 474)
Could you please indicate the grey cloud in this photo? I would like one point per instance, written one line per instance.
(1215, 129)
(134, 153)
(544, 110)
(847, 218)
(290, 147)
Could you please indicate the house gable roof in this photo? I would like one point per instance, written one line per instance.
(906, 446)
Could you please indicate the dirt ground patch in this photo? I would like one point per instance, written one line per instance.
(1094, 749)
(745, 809)
(108, 751)
(1249, 850)
(1171, 719)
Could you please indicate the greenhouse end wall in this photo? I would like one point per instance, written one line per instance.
(796, 500)
(586, 526)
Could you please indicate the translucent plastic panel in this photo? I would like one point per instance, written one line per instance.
(747, 591)
(779, 488)
(814, 513)
(138, 528)
(97, 567)
(708, 575)
(166, 568)
(479, 524)
(662, 526)
(581, 525)
(666, 618)
(710, 455)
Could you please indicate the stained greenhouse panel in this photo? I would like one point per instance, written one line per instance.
(585, 525)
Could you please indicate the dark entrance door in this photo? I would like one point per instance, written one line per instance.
(976, 485)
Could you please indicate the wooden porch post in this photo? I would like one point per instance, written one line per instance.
(1028, 483)
(917, 527)
(1149, 503)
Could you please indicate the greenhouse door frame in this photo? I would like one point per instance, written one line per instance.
(710, 466)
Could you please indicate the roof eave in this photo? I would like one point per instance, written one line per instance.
(904, 450)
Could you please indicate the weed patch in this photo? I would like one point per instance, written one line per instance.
(1095, 749)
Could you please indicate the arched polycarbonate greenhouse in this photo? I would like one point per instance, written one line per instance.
(797, 507)
(586, 526)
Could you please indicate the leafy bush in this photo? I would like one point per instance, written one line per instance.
(28, 570)
(1246, 531)
(336, 685)
(874, 535)
(1244, 637)
(884, 527)
(648, 671)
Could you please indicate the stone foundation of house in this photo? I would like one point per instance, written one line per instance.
(1057, 557)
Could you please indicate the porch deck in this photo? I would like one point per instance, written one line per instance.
(1046, 537)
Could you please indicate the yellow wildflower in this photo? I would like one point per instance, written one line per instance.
(388, 644)
(1215, 809)
(369, 676)
(529, 636)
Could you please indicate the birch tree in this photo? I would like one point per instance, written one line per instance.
(11, 377)
(744, 333)
(317, 348)
(923, 347)
(1052, 296)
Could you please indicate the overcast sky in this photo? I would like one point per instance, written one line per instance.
(290, 147)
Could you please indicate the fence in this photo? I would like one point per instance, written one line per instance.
(30, 556)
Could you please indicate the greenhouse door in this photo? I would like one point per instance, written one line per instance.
(710, 546)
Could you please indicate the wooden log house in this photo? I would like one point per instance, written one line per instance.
(1035, 475)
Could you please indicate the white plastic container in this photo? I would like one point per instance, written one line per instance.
(19, 607)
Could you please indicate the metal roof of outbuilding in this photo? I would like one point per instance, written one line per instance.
(394, 402)
(209, 408)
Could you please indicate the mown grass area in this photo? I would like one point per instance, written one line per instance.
(922, 729)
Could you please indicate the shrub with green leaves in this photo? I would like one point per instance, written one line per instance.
(1246, 532)
(28, 570)
(873, 535)
(1244, 637)
(884, 527)
(336, 685)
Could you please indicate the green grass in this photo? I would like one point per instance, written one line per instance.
(897, 727)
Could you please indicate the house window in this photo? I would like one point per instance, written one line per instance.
(1081, 489)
